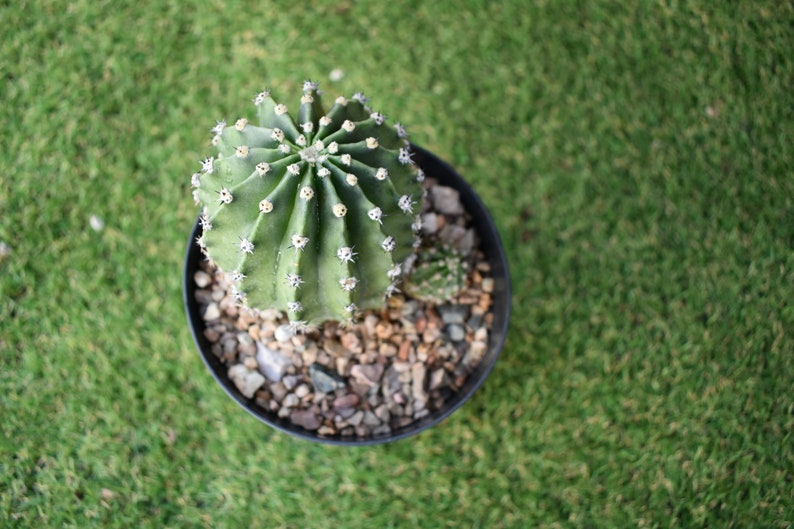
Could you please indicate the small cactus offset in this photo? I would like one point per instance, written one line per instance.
(437, 275)
(313, 216)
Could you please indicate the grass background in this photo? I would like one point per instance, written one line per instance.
(636, 156)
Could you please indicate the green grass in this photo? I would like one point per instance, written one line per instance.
(637, 160)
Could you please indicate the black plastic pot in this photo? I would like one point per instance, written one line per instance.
(494, 251)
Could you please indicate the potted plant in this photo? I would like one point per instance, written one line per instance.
(342, 285)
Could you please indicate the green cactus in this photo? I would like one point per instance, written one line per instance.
(437, 274)
(313, 216)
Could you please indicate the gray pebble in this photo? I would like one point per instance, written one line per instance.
(291, 400)
(429, 223)
(446, 200)
(324, 379)
(356, 418)
(273, 364)
(456, 332)
(453, 313)
(245, 380)
(418, 372)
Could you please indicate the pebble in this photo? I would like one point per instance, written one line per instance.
(446, 200)
(245, 380)
(430, 223)
(437, 379)
(202, 279)
(356, 418)
(334, 348)
(272, 363)
(291, 400)
(305, 419)
(325, 380)
(453, 313)
(278, 391)
(369, 374)
(212, 312)
(245, 344)
(456, 332)
(283, 333)
(346, 401)
(418, 372)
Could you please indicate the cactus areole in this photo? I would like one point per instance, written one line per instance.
(312, 215)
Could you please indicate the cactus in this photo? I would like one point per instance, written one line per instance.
(312, 216)
(437, 274)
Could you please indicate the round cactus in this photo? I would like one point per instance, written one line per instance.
(313, 216)
(437, 275)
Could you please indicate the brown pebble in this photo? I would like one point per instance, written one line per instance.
(387, 349)
(383, 330)
(350, 400)
(367, 373)
(334, 348)
(326, 430)
(305, 419)
(351, 342)
(485, 301)
(404, 351)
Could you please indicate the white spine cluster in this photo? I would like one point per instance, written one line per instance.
(376, 214)
(246, 246)
(265, 206)
(262, 168)
(306, 193)
(299, 242)
(208, 165)
(261, 97)
(340, 210)
(225, 196)
(348, 283)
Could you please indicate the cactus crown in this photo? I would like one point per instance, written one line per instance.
(313, 216)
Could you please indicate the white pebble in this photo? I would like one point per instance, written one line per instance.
(284, 333)
(212, 312)
(202, 279)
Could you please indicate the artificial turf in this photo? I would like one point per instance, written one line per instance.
(637, 158)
